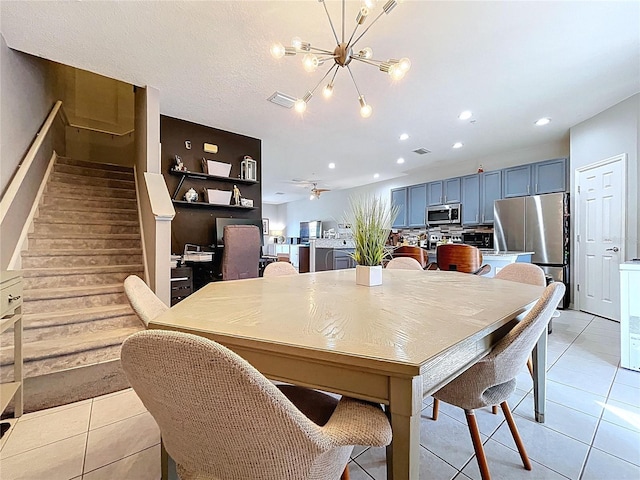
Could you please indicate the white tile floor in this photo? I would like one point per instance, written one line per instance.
(592, 428)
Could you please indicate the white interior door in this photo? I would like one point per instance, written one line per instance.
(601, 193)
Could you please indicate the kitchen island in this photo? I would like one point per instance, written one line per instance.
(499, 260)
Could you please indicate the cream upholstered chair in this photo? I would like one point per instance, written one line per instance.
(221, 419)
(277, 269)
(241, 255)
(144, 302)
(523, 273)
(493, 379)
(404, 263)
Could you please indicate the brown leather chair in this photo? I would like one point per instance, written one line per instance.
(417, 253)
(241, 255)
(461, 258)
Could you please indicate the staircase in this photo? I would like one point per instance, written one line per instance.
(85, 242)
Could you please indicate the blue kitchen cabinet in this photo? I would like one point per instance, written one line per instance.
(490, 190)
(435, 194)
(516, 181)
(417, 195)
(471, 199)
(550, 176)
(452, 190)
(399, 198)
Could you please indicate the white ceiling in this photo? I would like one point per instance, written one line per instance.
(508, 62)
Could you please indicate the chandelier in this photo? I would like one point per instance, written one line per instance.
(342, 55)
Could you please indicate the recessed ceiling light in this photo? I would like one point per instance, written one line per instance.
(332, 165)
(404, 136)
(376, 175)
(543, 121)
(466, 115)
(400, 160)
(457, 145)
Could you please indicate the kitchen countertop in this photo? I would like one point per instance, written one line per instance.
(494, 253)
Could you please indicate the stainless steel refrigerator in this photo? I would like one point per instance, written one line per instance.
(538, 224)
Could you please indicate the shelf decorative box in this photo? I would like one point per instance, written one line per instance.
(249, 169)
(212, 167)
(246, 202)
(219, 197)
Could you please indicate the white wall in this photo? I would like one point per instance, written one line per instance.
(610, 133)
(332, 205)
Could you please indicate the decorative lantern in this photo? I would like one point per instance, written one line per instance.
(249, 169)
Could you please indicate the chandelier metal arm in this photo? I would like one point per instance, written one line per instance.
(330, 22)
(354, 81)
(367, 29)
(368, 61)
(321, 50)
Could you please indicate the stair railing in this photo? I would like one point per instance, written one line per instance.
(23, 168)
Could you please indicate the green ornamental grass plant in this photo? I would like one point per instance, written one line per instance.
(371, 218)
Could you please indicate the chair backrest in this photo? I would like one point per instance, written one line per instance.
(277, 269)
(523, 273)
(512, 351)
(142, 299)
(419, 254)
(241, 255)
(217, 414)
(404, 263)
(459, 257)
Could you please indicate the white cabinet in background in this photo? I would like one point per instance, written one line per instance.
(630, 315)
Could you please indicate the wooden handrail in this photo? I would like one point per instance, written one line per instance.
(16, 181)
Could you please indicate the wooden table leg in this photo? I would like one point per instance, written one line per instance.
(164, 462)
(405, 403)
(539, 358)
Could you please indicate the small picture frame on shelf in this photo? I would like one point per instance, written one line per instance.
(265, 226)
(246, 202)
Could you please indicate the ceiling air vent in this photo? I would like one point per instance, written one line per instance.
(421, 151)
(282, 99)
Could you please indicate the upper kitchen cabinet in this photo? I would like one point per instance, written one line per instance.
(550, 176)
(399, 198)
(471, 200)
(516, 181)
(443, 191)
(417, 205)
(490, 190)
(434, 193)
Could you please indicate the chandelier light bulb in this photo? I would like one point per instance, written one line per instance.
(296, 42)
(366, 52)
(277, 50)
(362, 15)
(396, 72)
(310, 62)
(365, 109)
(328, 91)
(300, 105)
(466, 115)
(312, 197)
(370, 3)
(404, 64)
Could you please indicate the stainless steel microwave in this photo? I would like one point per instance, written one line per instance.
(444, 214)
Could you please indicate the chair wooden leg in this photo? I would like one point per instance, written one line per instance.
(516, 435)
(477, 444)
(436, 407)
(345, 474)
(494, 409)
(530, 367)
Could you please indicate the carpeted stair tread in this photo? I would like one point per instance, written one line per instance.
(92, 172)
(89, 191)
(46, 349)
(76, 235)
(81, 209)
(75, 181)
(90, 221)
(82, 252)
(96, 165)
(41, 320)
(66, 292)
(97, 270)
(51, 198)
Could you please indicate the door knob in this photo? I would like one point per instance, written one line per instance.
(614, 249)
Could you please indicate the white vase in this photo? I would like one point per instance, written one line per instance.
(368, 276)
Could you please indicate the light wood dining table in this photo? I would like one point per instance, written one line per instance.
(389, 344)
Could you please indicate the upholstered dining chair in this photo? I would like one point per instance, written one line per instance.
(144, 302)
(277, 269)
(419, 254)
(461, 258)
(220, 418)
(404, 263)
(492, 379)
(241, 254)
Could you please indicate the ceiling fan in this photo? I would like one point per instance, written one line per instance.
(316, 192)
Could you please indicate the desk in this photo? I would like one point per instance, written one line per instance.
(387, 344)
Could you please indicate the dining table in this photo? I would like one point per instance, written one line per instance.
(391, 344)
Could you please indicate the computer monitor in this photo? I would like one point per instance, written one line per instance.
(223, 222)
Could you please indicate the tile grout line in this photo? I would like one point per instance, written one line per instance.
(119, 459)
(86, 443)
